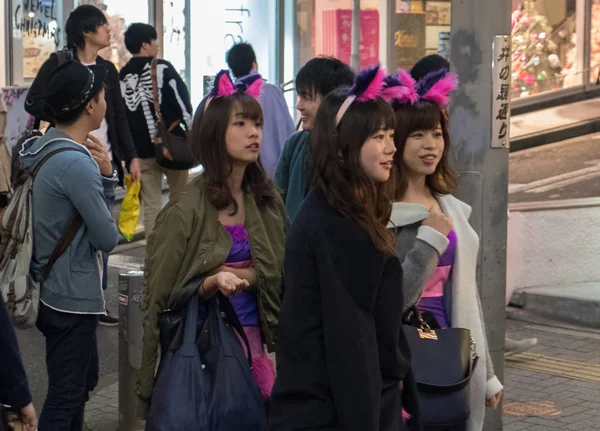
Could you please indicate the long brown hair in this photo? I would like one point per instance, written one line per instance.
(335, 158)
(423, 115)
(208, 145)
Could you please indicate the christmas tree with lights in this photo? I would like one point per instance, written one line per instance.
(536, 66)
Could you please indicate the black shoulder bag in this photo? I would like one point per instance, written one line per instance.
(443, 362)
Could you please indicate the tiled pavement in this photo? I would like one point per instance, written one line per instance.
(534, 400)
(538, 401)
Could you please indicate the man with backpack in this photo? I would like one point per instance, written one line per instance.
(317, 78)
(87, 33)
(74, 179)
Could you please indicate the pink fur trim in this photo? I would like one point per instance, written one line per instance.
(374, 88)
(400, 94)
(255, 88)
(408, 81)
(405, 415)
(263, 371)
(439, 92)
(225, 86)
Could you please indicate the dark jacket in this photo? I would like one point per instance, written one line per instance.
(293, 172)
(136, 89)
(14, 388)
(341, 351)
(119, 134)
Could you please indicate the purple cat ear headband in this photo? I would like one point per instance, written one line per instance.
(224, 86)
(436, 86)
(367, 86)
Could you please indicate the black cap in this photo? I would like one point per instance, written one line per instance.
(72, 85)
(427, 64)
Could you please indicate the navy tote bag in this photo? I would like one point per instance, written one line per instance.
(207, 384)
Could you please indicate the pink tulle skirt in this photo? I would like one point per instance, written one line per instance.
(263, 369)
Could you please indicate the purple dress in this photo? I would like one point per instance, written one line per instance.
(432, 299)
(245, 305)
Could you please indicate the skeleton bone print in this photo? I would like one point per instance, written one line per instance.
(137, 89)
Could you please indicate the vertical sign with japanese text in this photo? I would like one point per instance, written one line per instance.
(501, 76)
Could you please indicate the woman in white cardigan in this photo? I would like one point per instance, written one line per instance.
(435, 242)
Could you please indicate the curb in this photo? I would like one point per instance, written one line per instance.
(567, 309)
(554, 135)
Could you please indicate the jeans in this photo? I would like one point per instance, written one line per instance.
(72, 366)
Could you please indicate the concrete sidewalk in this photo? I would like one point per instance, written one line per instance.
(555, 386)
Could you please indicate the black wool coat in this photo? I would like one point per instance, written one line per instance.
(342, 358)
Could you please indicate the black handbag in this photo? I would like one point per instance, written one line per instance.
(443, 362)
(171, 147)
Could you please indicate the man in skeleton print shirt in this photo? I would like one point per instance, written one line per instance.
(175, 106)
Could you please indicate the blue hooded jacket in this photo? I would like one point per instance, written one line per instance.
(67, 182)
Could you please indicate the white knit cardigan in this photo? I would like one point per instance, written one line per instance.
(466, 305)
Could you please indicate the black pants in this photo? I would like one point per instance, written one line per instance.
(72, 365)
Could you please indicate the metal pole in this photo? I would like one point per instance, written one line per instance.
(480, 156)
(355, 52)
(130, 347)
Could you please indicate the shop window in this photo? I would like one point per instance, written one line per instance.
(325, 28)
(119, 14)
(544, 47)
(215, 27)
(174, 36)
(421, 28)
(37, 31)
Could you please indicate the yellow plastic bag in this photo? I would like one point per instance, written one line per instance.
(130, 209)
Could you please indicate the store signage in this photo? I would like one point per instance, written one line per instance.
(337, 35)
(409, 38)
(501, 76)
(38, 18)
(247, 21)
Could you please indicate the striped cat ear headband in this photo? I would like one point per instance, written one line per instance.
(436, 87)
(367, 86)
(223, 86)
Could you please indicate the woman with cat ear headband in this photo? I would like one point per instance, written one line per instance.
(343, 362)
(227, 229)
(435, 242)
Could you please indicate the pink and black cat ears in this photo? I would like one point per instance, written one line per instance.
(367, 86)
(223, 86)
(436, 86)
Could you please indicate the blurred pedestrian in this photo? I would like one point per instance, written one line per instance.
(175, 109)
(14, 387)
(317, 78)
(87, 33)
(278, 126)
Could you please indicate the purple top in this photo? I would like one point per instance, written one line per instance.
(246, 303)
(432, 299)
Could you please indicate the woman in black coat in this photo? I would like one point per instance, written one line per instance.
(342, 359)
